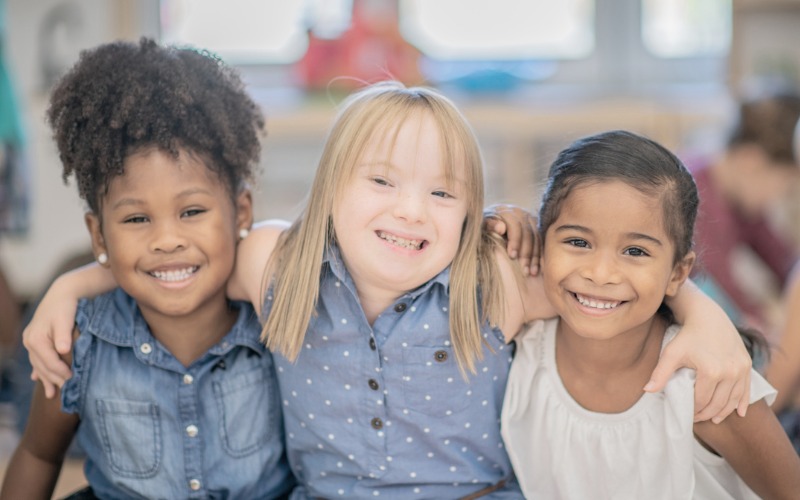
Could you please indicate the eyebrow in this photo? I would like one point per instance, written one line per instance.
(135, 202)
(631, 235)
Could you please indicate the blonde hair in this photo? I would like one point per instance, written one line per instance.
(378, 111)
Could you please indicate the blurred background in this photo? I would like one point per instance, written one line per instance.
(530, 75)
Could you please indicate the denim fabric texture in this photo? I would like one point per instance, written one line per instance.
(152, 428)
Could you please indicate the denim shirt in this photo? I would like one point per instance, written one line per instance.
(152, 428)
(383, 411)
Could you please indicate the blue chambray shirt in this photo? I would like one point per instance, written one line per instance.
(152, 428)
(383, 411)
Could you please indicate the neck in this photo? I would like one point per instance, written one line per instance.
(608, 375)
(374, 302)
(187, 337)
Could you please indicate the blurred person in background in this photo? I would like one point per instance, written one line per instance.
(738, 189)
(783, 371)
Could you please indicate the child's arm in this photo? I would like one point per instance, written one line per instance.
(783, 371)
(252, 254)
(758, 450)
(709, 343)
(50, 330)
(36, 463)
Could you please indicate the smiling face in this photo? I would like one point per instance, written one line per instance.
(398, 220)
(608, 262)
(169, 228)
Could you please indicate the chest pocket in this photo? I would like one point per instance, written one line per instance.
(432, 382)
(131, 436)
(247, 403)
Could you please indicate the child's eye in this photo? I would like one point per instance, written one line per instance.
(577, 242)
(380, 181)
(442, 194)
(193, 211)
(136, 219)
(635, 252)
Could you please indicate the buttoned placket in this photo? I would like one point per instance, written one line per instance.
(192, 435)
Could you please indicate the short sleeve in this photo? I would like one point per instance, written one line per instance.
(761, 389)
(73, 390)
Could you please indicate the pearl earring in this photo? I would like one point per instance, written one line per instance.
(243, 232)
(102, 258)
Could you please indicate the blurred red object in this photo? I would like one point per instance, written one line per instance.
(370, 50)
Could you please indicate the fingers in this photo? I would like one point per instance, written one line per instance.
(715, 401)
(48, 367)
(744, 400)
(718, 405)
(667, 364)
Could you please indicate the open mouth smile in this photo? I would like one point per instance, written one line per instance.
(174, 275)
(595, 303)
(401, 242)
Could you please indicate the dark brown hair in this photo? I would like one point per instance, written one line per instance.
(121, 98)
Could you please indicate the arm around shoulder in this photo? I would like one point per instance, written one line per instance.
(252, 255)
(525, 300)
(710, 343)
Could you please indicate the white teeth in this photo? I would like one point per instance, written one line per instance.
(401, 242)
(177, 275)
(597, 304)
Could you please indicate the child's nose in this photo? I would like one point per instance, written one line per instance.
(410, 207)
(601, 268)
(167, 237)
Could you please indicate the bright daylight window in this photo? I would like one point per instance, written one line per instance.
(686, 28)
(500, 29)
(252, 31)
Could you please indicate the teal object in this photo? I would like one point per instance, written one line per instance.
(10, 127)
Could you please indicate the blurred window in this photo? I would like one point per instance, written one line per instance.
(686, 28)
(500, 29)
(253, 31)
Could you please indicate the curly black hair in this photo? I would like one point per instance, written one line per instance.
(121, 98)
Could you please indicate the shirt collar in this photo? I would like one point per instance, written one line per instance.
(117, 309)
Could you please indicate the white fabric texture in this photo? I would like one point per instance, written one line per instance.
(560, 450)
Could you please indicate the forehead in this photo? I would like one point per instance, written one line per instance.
(613, 206)
(155, 173)
(417, 142)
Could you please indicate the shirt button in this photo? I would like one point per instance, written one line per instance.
(400, 307)
(376, 423)
(192, 431)
(146, 348)
(188, 379)
(372, 344)
(440, 356)
(373, 384)
(194, 484)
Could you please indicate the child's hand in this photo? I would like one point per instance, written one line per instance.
(518, 227)
(709, 343)
(48, 334)
(723, 371)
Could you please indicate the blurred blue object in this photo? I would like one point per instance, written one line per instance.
(486, 76)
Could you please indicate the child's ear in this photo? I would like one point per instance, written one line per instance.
(95, 228)
(244, 210)
(680, 273)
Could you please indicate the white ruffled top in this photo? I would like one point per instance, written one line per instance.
(560, 450)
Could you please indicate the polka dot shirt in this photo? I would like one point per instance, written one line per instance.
(383, 410)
